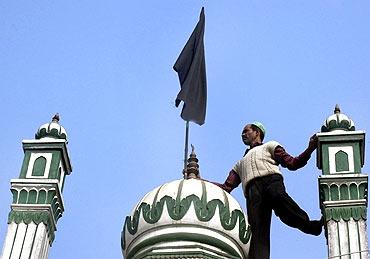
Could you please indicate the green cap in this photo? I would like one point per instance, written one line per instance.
(260, 126)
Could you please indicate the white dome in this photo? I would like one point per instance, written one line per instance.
(185, 215)
(338, 121)
(52, 130)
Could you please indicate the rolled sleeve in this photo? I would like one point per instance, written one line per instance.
(290, 162)
(231, 182)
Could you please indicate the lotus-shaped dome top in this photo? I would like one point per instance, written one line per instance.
(189, 217)
(338, 121)
(51, 130)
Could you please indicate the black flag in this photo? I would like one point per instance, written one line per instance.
(191, 68)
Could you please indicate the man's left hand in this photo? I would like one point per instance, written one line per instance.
(313, 142)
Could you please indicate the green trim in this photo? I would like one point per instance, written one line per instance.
(42, 197)
(53, 133)
(183, 237)
(54, 165)
(32, 195)
(325, 159)
(39, 197)
(26, 161)
(23, 195)
(15, 195)
(39, 166)
(41, 146)
(177, 210)
(36, 217)
(357, 157)
(337, 125)
(346, 213)
(340, 161)
(344, 191)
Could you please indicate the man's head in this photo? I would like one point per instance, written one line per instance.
(253, 133)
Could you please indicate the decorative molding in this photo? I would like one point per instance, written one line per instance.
(204, 211)
(38, 193)
(174, 236)
(354, 187)
(345, 213)
(37, 217)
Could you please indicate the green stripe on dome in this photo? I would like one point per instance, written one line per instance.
(204, 211)
(53, 133)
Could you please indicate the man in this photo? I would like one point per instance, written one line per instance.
(264, 189)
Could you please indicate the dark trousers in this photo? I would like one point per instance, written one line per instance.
(265, 194)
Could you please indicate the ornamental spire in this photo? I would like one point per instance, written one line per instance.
(56, 118)
(192, 168)
(336, 109)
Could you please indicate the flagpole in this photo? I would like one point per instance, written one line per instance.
(186, 143)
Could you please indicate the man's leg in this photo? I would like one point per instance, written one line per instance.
(259, 218)
(288, 210)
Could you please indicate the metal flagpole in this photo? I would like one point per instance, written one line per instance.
(186, 143)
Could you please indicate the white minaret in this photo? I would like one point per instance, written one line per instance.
(343, 188)
(37, 194)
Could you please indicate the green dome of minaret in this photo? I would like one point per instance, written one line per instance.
(338, 121)
(52, 129)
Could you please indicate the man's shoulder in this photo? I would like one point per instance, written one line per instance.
(271, 145)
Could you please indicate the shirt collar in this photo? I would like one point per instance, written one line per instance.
(255, 145)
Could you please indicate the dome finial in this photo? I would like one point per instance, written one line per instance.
(338, 121)
(336, 109)
(52, 129)
(56, 118)
(192, 168)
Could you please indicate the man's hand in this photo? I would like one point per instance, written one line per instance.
(313, 142)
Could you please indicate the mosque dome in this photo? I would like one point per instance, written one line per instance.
(338, 121)
(183, 217)
(52, 130)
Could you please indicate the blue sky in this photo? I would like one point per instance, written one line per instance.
(106, 67)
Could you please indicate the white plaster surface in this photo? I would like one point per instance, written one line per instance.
(41, 242)
(347, 240)
(343, 238)
(189, 230)
(333, 240)
(28, 241)
(9, 240)
(363, 238)
(18, 242)
(354, 246)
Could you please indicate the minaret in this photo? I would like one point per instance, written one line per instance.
(37, 194)
(343, 188)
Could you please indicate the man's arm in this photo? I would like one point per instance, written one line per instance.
(232, 181)
(294, 163)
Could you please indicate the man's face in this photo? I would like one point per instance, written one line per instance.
(248, 135)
